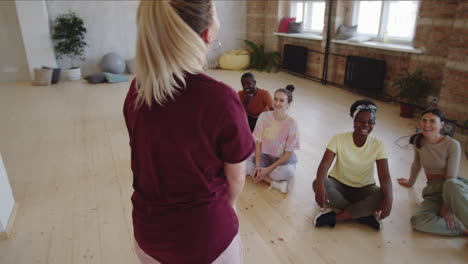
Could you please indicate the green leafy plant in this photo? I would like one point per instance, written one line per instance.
(413, 87)
(69, 37)
(262, 60)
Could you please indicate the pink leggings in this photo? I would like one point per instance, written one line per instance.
(232, 255)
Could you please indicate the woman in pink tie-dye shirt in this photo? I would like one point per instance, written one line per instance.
(276, 138)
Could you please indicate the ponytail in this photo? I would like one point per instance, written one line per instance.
(169, 45)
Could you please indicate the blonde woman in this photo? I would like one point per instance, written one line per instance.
(189, 138)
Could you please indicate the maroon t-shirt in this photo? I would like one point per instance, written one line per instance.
(180, 208)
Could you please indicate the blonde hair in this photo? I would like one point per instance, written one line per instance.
(169, 45)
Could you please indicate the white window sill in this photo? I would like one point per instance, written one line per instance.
(311, 36)
(383, 46)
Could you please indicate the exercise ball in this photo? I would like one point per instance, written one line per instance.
(113, 63)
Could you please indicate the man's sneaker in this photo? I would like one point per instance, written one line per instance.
(370, 220)
(281, 186)
(327, 218)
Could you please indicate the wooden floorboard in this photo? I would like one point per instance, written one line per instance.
(65, 148)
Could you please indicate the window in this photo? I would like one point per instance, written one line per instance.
(310, 13)
(387, 21)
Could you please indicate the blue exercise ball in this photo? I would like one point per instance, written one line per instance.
(113, 63)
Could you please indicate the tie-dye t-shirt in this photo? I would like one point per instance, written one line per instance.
(276, 136)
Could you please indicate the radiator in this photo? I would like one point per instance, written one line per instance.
(365, 74)
(295, 58)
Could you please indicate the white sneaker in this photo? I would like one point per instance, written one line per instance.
(281, 186)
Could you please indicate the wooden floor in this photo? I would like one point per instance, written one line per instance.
(65, 148)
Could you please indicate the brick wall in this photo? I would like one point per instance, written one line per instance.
(314, 60)
(454, 90)
(263, 18)
(441, 32)
(256, 21)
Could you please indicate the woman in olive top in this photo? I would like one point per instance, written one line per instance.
(444, 210)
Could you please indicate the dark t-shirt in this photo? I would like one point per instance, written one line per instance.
(180, 208)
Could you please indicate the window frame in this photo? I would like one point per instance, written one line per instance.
(383, 21)
(292, 13)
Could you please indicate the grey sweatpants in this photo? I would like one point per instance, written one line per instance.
(358, 202)
(453, 191)
(283, 172)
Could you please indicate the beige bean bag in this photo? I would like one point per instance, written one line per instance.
(237, 59)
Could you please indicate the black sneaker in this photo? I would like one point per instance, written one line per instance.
(325, 219)
(370, 221)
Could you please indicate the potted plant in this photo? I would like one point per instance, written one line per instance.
(261, 60)
(69, 37)
(412, 89)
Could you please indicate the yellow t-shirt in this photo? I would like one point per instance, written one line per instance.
(354, 165)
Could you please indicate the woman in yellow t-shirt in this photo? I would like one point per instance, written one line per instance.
(350, 187)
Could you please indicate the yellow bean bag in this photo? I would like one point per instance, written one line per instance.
(237, 59)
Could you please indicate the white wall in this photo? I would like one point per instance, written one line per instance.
(13, 64)
(111, 27)
(6, 197)
(34, 25)
(233, 18)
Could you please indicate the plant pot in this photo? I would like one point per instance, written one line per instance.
(406, 110)
(55, 74)
(73, 74)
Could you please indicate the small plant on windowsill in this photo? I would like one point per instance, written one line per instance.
(262, 60)
(412, 89)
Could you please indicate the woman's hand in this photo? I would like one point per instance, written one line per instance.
(385, 208)
(260, 174)
(256, 173)
(321, 195)
(404, 182)
(386, 187)
(447, 215)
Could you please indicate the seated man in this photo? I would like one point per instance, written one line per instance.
(254, 99)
